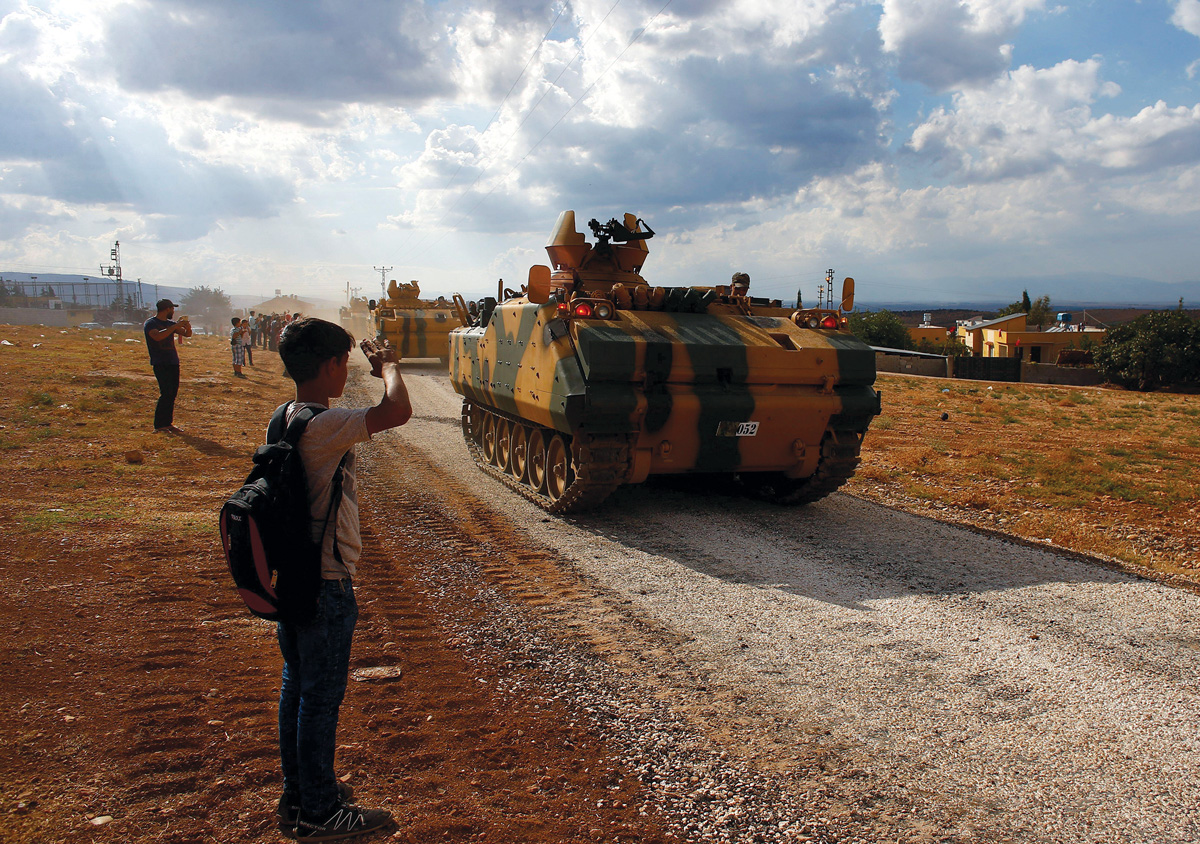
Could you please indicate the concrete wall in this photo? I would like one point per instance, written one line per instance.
(930, 367)
(1031, 373)
(41, 316)
(1048, 373)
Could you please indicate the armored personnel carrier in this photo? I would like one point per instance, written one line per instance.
(591, 378)
(415, 327)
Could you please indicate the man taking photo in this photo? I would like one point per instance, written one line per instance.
(160, 331)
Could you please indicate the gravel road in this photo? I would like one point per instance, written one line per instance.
(847, 671)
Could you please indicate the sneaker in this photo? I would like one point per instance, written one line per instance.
(345, 821)
(288, 810)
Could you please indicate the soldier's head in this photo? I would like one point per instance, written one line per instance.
(740, 284)
(307, 343)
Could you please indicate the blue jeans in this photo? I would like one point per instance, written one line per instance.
(316, 662)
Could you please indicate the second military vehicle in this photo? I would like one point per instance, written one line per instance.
(415, 327)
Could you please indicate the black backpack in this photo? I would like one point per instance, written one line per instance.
(266, 527)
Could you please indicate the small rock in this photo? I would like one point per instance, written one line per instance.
(101, 820)
(134, 456)
(379, 672)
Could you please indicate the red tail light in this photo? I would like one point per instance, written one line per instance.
(829, 322)
(583, 309)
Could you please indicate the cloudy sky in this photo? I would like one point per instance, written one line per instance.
(931, 148)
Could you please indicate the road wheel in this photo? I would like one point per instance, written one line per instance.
(489, 438)
(537, 460)
(503, 443)
(477, 424)
(518, 458)
(559, 473)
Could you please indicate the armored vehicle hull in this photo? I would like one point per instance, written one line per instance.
(415, 327)
(592, 379)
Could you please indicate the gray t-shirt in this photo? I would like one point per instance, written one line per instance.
(328, 436)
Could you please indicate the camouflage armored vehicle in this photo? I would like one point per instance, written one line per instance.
(592, 378)
(356, 317)
(415, 327)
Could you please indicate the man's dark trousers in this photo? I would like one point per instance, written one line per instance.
(168, 388)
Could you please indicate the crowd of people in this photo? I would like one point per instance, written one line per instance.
(256, 331)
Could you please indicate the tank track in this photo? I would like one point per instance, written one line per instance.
(839, 458)
(601, 464)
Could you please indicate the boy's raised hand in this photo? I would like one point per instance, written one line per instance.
(378, 355)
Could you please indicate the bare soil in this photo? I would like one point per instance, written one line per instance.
(138, 689)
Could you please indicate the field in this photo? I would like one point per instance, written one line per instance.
(135, 683)
(1103, 472)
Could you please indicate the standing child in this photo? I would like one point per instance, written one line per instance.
(248, 342)
(316, 654)
(235, 345)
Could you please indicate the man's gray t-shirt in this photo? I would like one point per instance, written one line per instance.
(330, 435)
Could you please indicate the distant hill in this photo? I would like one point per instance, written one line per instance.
(99, 291)
(1067, 292)
(949, 317)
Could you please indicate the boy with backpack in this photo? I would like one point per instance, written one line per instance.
(315, 806)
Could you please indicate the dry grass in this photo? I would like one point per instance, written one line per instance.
(76, 408)
(1099, 471)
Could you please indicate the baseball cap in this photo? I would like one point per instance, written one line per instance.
(164, 303)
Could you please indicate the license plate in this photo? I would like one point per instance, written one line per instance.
(737, 429)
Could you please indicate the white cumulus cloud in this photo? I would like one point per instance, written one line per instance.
(950, 43)
(1187, 16)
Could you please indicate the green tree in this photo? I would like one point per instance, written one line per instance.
(880, 328)
(1158, 349)
(1014, 308)
(207, 306)
(952, 346)
(1039, 311)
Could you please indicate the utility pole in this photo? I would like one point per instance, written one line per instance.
(383, 271)
(113, 270)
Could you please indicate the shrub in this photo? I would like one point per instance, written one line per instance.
(1158, 349)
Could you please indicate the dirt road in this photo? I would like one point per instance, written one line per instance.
(841, 671)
